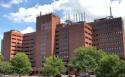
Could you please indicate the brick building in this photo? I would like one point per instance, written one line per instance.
(108, 35)
(28, 46)
(14, 41)
(61, 39)
(11, 44)
(71, 36)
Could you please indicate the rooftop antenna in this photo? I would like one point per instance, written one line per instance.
(111, 11)
(68, 14)
(74, 16)
(40, 13)
(71, 12)
(81, 16)
(65, 14)
(84, 17)
(78, 16)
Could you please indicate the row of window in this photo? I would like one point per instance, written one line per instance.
(17, 43)
(29, 47)
(105, 39)
(88, 43)
(16, 39)
(16, 50)
(28, 39)
(109, 43)
(17, 35)
(88, 28)
(20, 40)
(88, 38)
(110, 23)
(106, 34)
(30, 43)
(113, 48)
(88, 33)
(62, 48)
(17, 46)
(107, 27)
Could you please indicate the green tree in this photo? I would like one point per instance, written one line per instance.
(91, 51)
(101, 63)
(5, 67)
(21, 64)
(86, 59)
(1, 57)
(120, 70)
(111, 66)
(108, 66)
(53, 66)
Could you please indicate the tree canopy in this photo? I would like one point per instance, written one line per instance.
(53, 66)
(1, 57)
(5, 67)
(21, 64)
(101, 63)
(86, 59)
(108, 66)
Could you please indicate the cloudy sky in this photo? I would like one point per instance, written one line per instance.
(21, 14)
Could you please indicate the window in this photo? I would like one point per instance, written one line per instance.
(13, 38)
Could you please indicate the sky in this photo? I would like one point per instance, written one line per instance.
(21, 14)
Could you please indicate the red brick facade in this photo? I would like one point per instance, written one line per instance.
(45, 37)
(108, 35)
(53, 38)
(14, 42)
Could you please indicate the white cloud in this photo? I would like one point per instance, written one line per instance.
(11, 2)
(93, 9)
(27, 30)
(1, 36)
(29, 14)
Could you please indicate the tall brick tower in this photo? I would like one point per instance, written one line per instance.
(45, 37)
